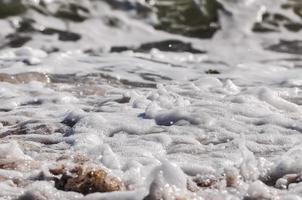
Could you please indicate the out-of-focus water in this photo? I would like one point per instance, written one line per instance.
(88, 25)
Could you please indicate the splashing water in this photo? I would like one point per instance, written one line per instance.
(130, 99)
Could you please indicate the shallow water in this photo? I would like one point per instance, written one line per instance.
(126, 99)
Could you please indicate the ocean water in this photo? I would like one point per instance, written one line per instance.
(158, 99)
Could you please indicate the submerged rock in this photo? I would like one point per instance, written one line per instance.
(25, 77)
(169, 45)
(274, 21)
(205, 181)
(35, 127)
(188, 17)
(285, 181)
(212, 71)
(140, 7)
(88, 181)
(73, 12)
(62, 35)
(295, 6)
(11, 8)
(19, 164)
(17, 40)
(165, 45)
(285, 46)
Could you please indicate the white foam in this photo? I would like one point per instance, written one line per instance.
(160, 120)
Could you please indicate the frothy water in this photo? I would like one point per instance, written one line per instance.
(163, 99)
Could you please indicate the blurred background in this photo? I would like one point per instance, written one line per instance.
(101, 24)
(192, 18)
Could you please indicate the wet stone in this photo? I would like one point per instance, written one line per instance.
(32, 195)
(169, 45)
(58, 171)
(166, 45)
(35, 127)
(25, 77)
(26, 25)
(18, 164)
(11, 165)
(212, 71)
(294, 5)
(71, 119)
(88, 181)
(11, 8)
(263, 28)
(136, 84)
(285, 46)
(122, 100)
(119, 49)
(154, 77)
(63, 35)
(205, 181)
(113, 22)
(273, 22)
(142, 10)
(73, 12)
(285, 181)
(17, 40)
(188, 18)
(295, 27)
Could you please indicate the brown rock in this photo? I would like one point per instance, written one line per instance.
(35, 127)
(25, 77)
(20, 165)
(232, 177)
(90, 181)
(205, 181)
(58, 170)
(12, 165)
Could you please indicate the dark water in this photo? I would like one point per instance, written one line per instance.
(197, 19)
